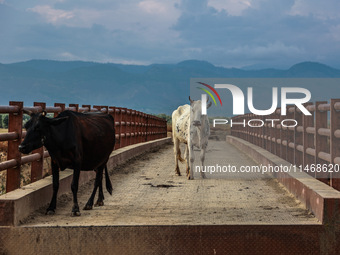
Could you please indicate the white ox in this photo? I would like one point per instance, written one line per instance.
(190, 127)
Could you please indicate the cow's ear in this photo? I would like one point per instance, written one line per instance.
(210, 103)
(57, 121)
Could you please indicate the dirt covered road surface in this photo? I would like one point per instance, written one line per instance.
(146, 191)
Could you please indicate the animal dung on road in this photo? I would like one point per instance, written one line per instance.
(160, 185)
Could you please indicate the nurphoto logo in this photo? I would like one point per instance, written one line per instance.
(238, 99)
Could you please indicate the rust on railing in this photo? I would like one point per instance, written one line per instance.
(131, 127)
(314, 141)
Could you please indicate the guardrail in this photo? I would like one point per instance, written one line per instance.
(312, 145)
(131, 127)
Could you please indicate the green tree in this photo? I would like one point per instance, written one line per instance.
(5, 121)
(164, 116)
(0, 120)
(25, 118)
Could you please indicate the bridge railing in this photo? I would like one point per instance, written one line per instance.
(312, 145)
(131, 127)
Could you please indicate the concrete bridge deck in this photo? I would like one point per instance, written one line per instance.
(146, 191)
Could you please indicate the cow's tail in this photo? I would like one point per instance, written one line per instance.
(179, 156)
(108, 181)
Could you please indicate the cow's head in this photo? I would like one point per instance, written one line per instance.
(196, 112)
(37, 129)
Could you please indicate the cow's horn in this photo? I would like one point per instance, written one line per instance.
(191, 101)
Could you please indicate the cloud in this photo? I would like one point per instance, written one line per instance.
(111, 14)
(326, 9)
(52, 15)
(68, 56)
(152, 18)
(265, 31)
(232, 7)
(152, 7)
(271, 50)
(335, 32)
(224, 32)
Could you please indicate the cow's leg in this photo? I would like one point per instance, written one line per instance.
(97, 183)
(100, 200)
(55, 177)
(202, 156)
(108, 183)
(74, 188)
(176, 152)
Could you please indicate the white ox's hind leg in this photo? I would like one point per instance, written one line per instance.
(202, 157)
(191, 162)
(186, 157)
(176, 152)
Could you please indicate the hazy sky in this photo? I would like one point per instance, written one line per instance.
(228, 33)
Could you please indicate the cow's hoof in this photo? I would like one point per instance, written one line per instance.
(88, 207)
(99, 203)
(50, 212)
(204, 177)
(178, 174)
(73, 214)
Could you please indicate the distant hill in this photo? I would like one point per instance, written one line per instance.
(156, 88)
(312, 70)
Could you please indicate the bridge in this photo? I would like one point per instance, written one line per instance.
(147, 192)
(153, 211)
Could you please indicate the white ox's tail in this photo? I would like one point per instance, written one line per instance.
(179, 156)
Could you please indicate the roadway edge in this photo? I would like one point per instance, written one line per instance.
(318, 197)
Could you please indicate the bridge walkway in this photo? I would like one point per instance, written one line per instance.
(146, 191)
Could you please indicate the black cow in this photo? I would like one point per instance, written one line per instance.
(80, 141)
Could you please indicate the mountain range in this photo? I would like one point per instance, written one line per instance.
(156, 88)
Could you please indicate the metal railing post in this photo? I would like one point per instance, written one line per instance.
(14, 125)
(307, 139)
(298, 157)
(335, 142)
(62, 107)
(320, 141)
(37, 167)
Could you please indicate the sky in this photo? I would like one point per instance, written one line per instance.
(229, 33)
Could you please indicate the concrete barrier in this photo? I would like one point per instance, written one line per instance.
(18, 204)
(180, 239)
(318, 197)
